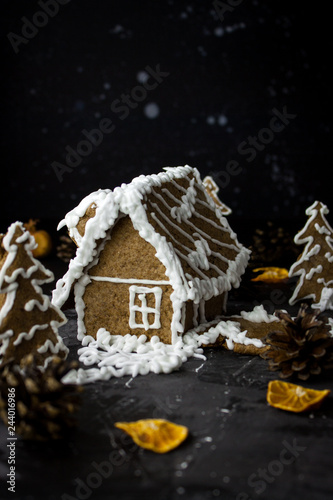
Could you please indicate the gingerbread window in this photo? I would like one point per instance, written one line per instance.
(144, 307)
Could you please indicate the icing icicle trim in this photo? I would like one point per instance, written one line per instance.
(127, 199)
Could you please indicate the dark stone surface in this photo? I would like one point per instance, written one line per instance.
(238, 447)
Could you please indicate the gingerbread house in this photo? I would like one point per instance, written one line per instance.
(154, 257)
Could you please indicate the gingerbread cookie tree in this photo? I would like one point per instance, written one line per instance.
(315, 265)
(28, 320)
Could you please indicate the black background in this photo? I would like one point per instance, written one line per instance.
(226, 76)
(227, 72)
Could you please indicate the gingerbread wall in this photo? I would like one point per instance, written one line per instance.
(125, 257)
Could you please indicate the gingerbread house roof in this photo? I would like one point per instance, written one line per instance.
(173, 212)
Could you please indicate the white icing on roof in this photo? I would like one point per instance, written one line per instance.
(130, 199)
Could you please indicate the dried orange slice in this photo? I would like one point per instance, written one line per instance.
(157, 435)
(42, 238)
(292, 397)
(271, 274)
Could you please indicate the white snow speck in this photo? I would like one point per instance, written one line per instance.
(219, 31)
(121, 31)
(142, 76)
(151, 110)
(271, 91)
(222, 120)
(202, 51)
(79, 105)
(107, 86)
(210, 120)
(234, 27)
(116, 29)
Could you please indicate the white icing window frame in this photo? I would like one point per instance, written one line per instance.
(141, 292)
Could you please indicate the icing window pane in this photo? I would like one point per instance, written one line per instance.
(144, 307)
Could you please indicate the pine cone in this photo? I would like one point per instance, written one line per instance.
(305, 347)
(44, 405)
(66, 249)
(272, 245)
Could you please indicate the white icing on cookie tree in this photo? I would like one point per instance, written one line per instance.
(315, 265)
(28, 320)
